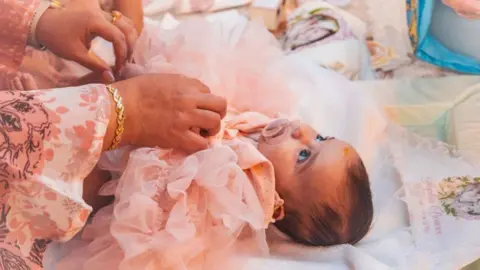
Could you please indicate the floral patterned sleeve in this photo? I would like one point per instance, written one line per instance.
(15, 18)
(50, 141)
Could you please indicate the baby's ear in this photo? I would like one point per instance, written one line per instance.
(279, 213)
(279, 208)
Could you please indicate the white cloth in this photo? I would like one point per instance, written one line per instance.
(387, 27)
(345, 51)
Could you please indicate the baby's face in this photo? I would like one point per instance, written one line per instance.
(306, 163)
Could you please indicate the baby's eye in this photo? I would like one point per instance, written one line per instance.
(320, 138)
(303, 155)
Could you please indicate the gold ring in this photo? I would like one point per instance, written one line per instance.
(55, 4)
(116, 15)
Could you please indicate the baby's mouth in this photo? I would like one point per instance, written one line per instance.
(275, 129)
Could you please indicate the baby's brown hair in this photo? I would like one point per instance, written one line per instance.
(344, 218)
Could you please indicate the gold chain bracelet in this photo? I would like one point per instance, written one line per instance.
(120, 110)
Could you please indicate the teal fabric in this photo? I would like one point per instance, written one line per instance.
(431, 50)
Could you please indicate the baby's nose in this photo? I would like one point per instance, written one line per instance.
(301, 135)
(297, 133)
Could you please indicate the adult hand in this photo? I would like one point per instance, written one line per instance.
(165, 110)
(45, 74)
(68, 33)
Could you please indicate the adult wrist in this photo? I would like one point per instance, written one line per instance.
(32, 30)
(41, 25)
(128, 136)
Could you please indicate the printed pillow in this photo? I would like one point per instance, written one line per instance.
(442, 193)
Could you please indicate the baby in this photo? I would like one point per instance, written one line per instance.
(177, 211)
(257, 172)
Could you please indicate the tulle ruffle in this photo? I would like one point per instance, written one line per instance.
(173, 212)
(243, 63)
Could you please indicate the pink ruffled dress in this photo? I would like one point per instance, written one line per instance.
(172, 211)
(207, 210)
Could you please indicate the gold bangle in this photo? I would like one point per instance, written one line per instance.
(120, 110)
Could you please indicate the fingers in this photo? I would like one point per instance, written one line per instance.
(111, 33)
(28, 82)
(193, 142)
(17, 84)
(207, 123)
(94, 77)
(22, 82)
(128, 29)
(91, 61)
(11, 85)
(212, 103)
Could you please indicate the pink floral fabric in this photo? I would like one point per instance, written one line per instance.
(15, 18)
(50, 140)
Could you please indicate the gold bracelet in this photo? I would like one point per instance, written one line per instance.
(120, 110)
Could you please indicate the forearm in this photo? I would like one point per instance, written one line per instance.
(133, 9)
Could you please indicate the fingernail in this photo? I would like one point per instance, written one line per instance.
(132, 59)
(18, 82)
(108, 76)
(121, 71)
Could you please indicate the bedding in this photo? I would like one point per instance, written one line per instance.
(455, 31)
(434, 108)
(387, 32)
(331, 37)
(386, 35)
(444, 109)
(442, 191)
(422, 16)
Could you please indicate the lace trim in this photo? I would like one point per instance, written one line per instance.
(400, 137)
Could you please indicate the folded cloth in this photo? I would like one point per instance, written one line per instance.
(331, 37)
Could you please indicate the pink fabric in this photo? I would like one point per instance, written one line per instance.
(195, 212)
(466, 8)
(50, 141)
(231, 67)
(184, 212)
(15, 18)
